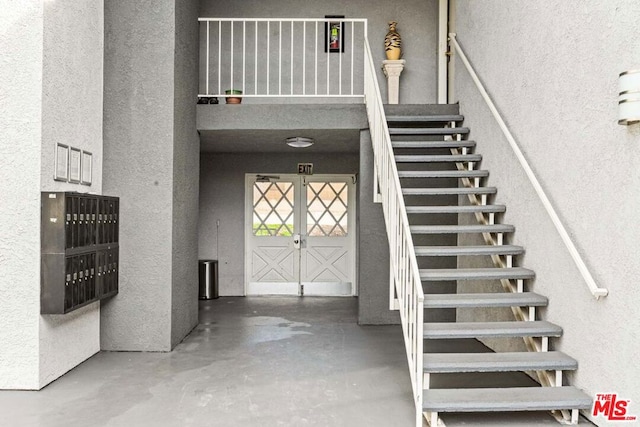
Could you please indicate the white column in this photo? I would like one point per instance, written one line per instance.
(393, 69)
(20, 170)
(443, 47)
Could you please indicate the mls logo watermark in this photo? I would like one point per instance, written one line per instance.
(609, 406)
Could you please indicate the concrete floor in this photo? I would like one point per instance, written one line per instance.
(251, 362)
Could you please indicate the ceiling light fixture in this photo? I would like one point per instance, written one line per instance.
(299, 142)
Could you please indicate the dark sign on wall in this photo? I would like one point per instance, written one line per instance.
(334, 34)
(305, 168)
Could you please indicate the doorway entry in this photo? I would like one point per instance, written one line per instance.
(300, 235)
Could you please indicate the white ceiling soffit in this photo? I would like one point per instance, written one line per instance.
(274, 141)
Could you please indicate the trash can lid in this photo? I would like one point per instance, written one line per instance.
(208, 260)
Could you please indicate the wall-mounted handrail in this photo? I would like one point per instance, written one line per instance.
(405, 281)
(281, 57)
(597, 291)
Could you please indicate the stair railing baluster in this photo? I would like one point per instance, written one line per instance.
(405, 280)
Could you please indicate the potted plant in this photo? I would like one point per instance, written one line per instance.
(233, 99)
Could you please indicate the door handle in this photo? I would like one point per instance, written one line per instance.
(297, 241)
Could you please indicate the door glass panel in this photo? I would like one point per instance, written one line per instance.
(327, 209)
(273, 209)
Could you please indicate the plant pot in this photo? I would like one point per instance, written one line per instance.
(233, 99)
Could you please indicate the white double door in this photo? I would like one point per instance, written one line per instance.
(300, 235)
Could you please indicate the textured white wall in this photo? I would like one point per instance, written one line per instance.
(72, 86)
(71, 114)
(552, 67)
(20, 136)
(68, 340)
(53, 93)
(417, 24)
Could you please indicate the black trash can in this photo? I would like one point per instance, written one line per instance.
(208, 269)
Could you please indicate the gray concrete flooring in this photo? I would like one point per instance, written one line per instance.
(252, 362)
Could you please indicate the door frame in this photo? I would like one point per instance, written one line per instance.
(250, 178)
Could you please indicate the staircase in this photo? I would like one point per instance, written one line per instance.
(448, 205)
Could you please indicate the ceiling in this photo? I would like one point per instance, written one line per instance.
(273, 141)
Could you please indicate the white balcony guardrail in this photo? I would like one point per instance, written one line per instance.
(281, 57)
(596, 291)
(405, 276)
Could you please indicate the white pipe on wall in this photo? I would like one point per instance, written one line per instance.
(443, 47)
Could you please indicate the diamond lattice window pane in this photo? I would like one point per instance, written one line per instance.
(327, 209)
(273, 209)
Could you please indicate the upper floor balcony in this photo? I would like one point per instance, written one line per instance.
(311, 60)
(327, 63)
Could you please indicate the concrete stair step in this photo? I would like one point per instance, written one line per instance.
(500, 299)
(443, 191)
(424, 158)
(475, 399)
(420, 109)
(498, 362)
(446, 274)
(462, 229)
(504, 399)
(433, 144)
(468, 250)
(444, 118)
(456, 209)
(429, 131)
(444, 174)
(461, 330)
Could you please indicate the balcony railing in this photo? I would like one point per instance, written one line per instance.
(282, 57)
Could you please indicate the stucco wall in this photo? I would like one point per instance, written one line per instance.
(20, 136)
(72, 115)
(72, 86)
(52, 93)
(373, 247)
(222, 193)
(417, 24)
(138, 167)
(552, 70)
(151, 162)
(186, 177)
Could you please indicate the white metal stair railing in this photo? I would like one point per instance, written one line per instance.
(596, 291)
(406, 292)
(563, 401)
(281, 57)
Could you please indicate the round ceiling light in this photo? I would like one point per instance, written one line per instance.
(299, 142)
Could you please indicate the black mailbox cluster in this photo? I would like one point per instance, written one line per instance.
(79, 250)
(90, 220)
